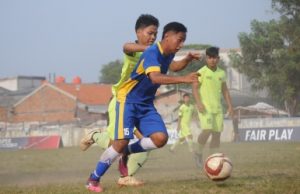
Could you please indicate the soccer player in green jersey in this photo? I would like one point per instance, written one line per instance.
(207, 93)
(185, 114)
(146, 28)
(135, 107)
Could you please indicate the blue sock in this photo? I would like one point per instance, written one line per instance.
(101, 168)
(142, 145)
(135, 147)
(106, 159)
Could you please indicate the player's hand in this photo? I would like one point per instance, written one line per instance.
(193, 56)
(201, 108)
(191, 77)
(230, 111)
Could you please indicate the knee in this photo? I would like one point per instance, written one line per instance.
(119, 145)
(159, 139)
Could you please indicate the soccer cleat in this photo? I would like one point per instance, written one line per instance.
(94, 186)
(87, 140)
(198, 160)
(129, 181)
(123, 169)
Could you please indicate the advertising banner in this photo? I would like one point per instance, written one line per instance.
(270, 134)
(32, 142)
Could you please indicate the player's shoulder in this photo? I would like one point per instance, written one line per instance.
(221, 71)
(133, 56)
(152, 49)
(203, 69)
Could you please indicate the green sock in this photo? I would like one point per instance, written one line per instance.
(102, 139)
(136, 161)
(190, 144)
(199, 148)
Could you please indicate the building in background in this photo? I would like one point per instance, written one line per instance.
(29, 100)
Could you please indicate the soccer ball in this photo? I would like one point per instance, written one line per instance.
(218, 167)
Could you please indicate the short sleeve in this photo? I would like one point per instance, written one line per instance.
(180, 111)
(151, 63)
(201, 72)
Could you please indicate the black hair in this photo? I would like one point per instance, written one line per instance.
(146, 20)
(212, 51)
(186, 94)
(175, 27)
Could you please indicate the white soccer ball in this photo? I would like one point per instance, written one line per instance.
(218, 167)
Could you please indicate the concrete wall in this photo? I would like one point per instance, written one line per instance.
(71, 135)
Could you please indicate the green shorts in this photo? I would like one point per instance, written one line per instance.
(211, 121)
(112, 118)
(185, 131)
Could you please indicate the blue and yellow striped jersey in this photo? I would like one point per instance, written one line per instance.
(139, 88)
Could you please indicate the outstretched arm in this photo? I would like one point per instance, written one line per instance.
(178, 124)
(130, 48)
(181, 64)
(227, 97)
(159, 78)
(195, 87)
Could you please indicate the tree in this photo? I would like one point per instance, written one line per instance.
(271, 55)
(110, 73)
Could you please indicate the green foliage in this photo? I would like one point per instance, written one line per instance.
(271, 55)
(110, 73)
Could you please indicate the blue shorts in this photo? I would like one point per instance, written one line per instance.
(142, 116)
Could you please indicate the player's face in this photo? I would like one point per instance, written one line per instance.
(147, 35)
(176, 41)
(186, 99)
(212, 61)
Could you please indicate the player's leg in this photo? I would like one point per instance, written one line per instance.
(106, 159)
(216, 133)
(206, 125)
(135, 162)
(187, 135)
(123, 132)
(189, 140)
(177, 142)
(153, 129)
(103, 139)
(215, 142)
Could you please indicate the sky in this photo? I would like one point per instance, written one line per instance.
(75, 37)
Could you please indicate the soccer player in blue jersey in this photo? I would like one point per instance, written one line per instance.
(135, 97)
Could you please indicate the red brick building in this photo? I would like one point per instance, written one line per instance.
(62, 103)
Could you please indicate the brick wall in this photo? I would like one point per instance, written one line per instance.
(47, 104)
(3, 114)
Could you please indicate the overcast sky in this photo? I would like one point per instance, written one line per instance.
(75, 37)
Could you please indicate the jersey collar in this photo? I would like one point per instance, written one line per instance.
(160, 48)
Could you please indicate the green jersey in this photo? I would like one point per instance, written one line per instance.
(129, 63)
(186, 113)
(210, 89)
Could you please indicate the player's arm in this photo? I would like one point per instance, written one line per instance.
(195, 90)
(158, 78)
(227, 98)
(179, 124)
(181, 64)
(129, 48)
